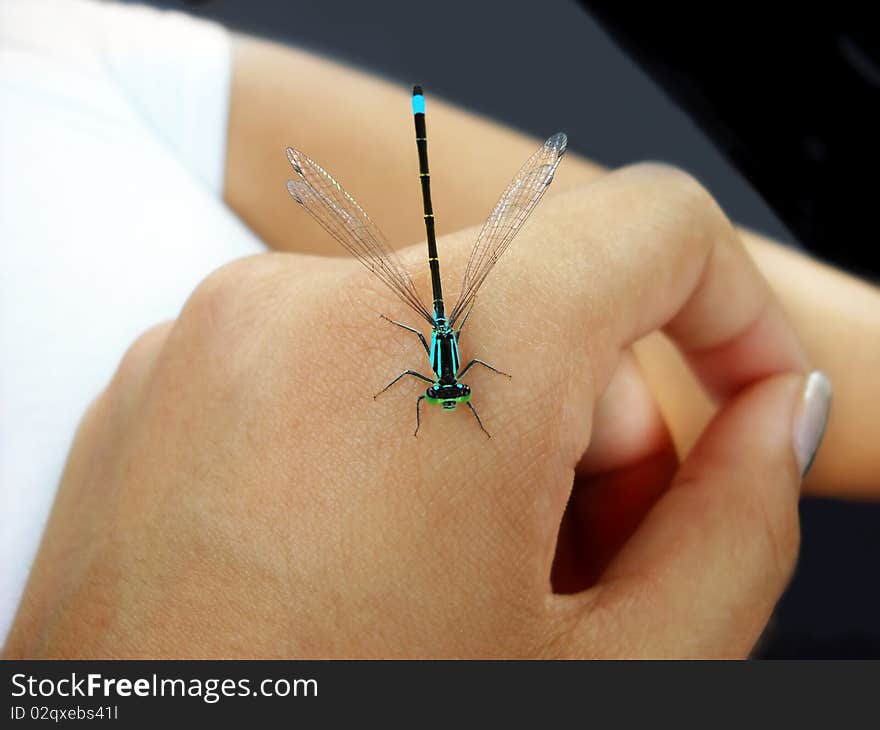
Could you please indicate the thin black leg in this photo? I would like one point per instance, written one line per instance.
(411, 329)
(418, 415)
(484, 364)
(461, 326)
(479, 420)
(405, 372)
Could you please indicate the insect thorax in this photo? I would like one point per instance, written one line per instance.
(444, 353)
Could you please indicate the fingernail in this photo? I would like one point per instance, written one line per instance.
(810, 419)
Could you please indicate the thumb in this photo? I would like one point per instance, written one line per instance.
(702, 573)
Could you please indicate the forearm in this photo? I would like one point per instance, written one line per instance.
(359, 126)
(838, 319)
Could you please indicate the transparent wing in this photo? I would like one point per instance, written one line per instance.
(345, 220)
(508, 216)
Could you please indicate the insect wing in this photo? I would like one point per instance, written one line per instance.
(508, 216)
(341, 216)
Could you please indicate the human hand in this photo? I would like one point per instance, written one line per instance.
(236, 492)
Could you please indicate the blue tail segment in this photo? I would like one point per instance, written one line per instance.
(418, 100)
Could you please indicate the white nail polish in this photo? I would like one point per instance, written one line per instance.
(810, 419)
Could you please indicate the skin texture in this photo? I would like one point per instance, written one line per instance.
(236, 492)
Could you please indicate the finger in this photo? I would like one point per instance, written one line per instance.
(702, 573)
(658, 253)
(645, 248)
(627, 424)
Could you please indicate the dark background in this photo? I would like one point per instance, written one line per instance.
(543, 65)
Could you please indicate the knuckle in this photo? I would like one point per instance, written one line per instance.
(218, 293)
(673, 178)
(230, 297)
(140, 356)
(227, 328)
(103, 407)
(675, 195)
(678, 186)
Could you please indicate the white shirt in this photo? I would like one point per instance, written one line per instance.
(112, 141)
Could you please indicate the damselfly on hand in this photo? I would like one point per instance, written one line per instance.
(341, 216)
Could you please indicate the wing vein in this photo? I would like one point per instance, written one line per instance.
(508, 216)
(344, 219)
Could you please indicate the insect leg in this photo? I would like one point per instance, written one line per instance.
(479, 420)
(468, 314)
(418, 415)
(411, 329)
(484, 364)
(405, 372)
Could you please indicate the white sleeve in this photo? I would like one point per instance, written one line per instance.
(175, 71)
(172, 70)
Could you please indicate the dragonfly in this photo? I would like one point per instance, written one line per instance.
(341, 216)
